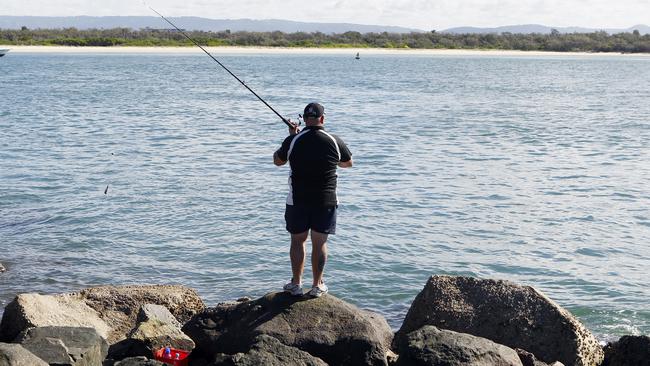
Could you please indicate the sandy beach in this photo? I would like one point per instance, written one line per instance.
(280, 50)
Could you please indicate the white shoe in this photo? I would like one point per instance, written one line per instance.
(318, 291)
(293, 289)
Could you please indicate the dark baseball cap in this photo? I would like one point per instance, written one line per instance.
(314, 110)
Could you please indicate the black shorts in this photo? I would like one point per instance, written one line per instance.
(301, 218)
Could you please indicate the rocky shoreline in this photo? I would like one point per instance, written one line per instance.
(452, 321)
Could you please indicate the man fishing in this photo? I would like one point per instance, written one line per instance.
(314, 156)
(311, 205)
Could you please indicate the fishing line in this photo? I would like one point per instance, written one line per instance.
(286, 121)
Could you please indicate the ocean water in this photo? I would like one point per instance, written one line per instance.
(532, 169)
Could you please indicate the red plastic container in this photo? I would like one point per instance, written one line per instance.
(182, 360)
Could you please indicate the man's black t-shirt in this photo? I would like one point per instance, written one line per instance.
(313, 155)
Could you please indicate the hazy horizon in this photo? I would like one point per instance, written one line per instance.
(420, 14)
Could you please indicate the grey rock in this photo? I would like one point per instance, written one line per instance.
(438, 347)
(66, 345)
(113, 311)
(269, 351)
(119, 306)
(34, 310)
(153, 334)
(16, 355)
(628, 351)
(159, 313)
(156, 329)
(506, 313)
(138, 361)
(328, 328)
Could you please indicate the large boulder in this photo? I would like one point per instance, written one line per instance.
(34, 310)
(66, 346)
(328, 328)
(269, 351)
(628, 351)
(16, 355)
(506, 313)
(111, 310)
(432, 346)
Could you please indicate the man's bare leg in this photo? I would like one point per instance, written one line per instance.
(297, 255)
(318, 256)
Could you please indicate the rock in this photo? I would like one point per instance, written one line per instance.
(153, 334)
(138, 361)
(157, 312)
(33, 310)
(529, 359)
(119, 306)
(156, 329)
(16, 355)
(111, 310)
(628, 351)
(66, 345)
(432, 346)
(506, 313)
(269, 351)
(328, 328)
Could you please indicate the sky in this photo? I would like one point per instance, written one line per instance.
(420, 14)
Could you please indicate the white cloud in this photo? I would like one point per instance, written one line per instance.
(424, 14)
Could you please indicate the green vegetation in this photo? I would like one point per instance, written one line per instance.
(578, 42)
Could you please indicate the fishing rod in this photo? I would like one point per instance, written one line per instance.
(286, 121)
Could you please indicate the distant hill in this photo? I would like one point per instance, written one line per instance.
(192, 23)
(537, 28)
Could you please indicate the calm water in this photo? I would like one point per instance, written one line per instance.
(533, 169)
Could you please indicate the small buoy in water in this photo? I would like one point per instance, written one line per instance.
(357, 56)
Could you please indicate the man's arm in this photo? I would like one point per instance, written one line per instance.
(280, 156)
(277, 161)
(345, 164)
(346, 155)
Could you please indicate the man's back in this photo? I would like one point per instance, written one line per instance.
(313, 155)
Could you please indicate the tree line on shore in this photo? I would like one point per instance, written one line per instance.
(600, 41)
